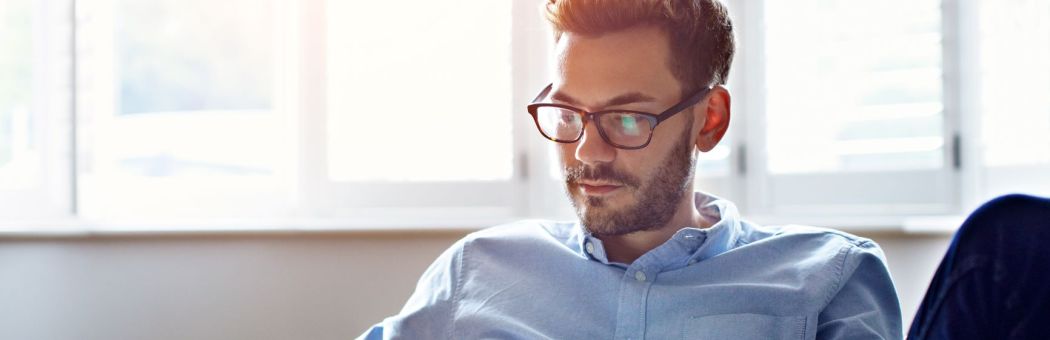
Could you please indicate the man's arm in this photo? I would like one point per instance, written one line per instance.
(866, 305)
(429, 311)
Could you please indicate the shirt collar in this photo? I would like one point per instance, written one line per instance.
(688, 245)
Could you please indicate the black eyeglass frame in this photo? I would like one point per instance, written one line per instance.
(654, 119)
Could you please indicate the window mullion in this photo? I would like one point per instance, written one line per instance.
(962, 100)
(751, 103)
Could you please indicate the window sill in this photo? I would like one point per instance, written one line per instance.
(84, 228)
(944, 224)
(424, 224)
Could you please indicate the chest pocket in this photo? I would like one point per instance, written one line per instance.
(744, 327)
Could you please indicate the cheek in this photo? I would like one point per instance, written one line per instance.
(566, 153)
(635, 166)
(644, 163)
(669, 134)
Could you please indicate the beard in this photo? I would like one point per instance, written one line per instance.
(654, 200)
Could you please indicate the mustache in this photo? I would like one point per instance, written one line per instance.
(604, 172)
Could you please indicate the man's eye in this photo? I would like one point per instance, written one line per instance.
(569, 117)
(628, 123)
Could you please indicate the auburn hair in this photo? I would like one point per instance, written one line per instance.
(699, 31)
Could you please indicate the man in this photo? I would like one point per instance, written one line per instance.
(636, 95)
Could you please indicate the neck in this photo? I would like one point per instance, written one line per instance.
(629, 247)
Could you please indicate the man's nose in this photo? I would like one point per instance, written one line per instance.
(592, 149)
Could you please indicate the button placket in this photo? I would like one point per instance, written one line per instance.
(634, 296)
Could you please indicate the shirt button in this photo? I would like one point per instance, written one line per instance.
(640, 276)
(590, 248)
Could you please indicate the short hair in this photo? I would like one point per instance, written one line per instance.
(700, 32)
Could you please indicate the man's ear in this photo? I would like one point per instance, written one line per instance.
(715, 118)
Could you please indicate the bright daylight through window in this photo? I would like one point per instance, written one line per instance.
(421, 111)
(849, 92)
(19, 154)
(341, 112)
(178, 109)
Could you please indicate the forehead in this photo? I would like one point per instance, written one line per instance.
(595, 67)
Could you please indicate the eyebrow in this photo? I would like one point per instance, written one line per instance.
(623, 99)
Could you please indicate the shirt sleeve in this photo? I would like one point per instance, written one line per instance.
(866, 305)
(429, 311)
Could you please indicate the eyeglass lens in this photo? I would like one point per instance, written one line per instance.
(620, 128)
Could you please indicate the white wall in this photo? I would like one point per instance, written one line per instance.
(913, 260)
(257, 286)
(219, 287)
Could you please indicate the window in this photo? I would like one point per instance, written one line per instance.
(420, 129)
(443, 99)
(848, 92)
(1015, 109)
(854, 115)
(19, 156)
(393, 114)
(874, 111)
(184, 115)
(34, 109)
(179, 110)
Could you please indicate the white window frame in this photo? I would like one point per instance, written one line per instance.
(452, 202)
(807, 198)
(51, 106)
(962, 184)
(980, 181)
(94, 112)
(535, 188)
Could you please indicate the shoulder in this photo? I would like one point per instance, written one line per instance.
(527, 231)
(523, 229)
(810, 238)
(835, 254)
(839, 258)
(521, 236)
(495, 245)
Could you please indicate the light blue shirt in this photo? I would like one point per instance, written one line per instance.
(734, 280)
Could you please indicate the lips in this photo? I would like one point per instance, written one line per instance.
(598, 188)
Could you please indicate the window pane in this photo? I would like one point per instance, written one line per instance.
(419, 90)
(19, 154)
(849, 89)
(1015, 81)
(193, 55)
(185, 121)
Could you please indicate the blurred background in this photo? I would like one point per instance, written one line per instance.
(274, 169)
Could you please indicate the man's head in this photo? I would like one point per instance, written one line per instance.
(699, 32)
(645, 56)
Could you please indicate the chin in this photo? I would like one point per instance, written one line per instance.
(593, 202)
(596, 208)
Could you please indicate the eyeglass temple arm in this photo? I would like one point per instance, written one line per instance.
(695, 98)
(543, 93)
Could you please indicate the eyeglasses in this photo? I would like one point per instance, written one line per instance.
(624, 129)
